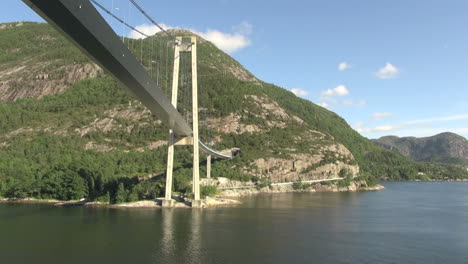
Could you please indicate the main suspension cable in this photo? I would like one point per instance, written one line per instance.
(150, 19)
(118, 18)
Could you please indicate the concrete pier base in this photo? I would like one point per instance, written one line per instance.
(167, 203)
(197, 204)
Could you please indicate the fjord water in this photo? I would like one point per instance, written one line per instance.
(411, 222)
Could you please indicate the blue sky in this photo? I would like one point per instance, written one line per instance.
(388, 67)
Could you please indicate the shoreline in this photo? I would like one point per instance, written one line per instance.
(208, 202)
(223, 199)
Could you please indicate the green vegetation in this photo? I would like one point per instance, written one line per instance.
(208, 191)
(28, 42)
(301, 186)
(347, 179)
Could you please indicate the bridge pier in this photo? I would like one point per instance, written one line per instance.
(168, 203)
(196, 157)
(197, 203)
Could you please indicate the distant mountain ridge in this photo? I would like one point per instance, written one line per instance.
(445, 147)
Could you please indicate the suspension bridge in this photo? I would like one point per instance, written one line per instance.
(80, 22)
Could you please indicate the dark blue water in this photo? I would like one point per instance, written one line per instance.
(419, 222)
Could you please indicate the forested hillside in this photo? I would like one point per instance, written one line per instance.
(68, 131)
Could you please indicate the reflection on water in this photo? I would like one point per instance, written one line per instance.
(167, 245)
(406, 223)
(181, 236)
(194, 246)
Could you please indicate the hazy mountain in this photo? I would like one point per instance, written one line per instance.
(445, 147)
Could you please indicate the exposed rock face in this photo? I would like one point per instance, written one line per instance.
(36, 81)
(240, 73)
(306, 167)
(266, 109)
(232, 124)
(354, 186)
(270, 109)
(109, 123)
(152, 145)
(10, 25)
(444, 147)
(98, 147)
(222, 182)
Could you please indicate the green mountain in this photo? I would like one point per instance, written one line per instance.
(445, 147)
(69, 131)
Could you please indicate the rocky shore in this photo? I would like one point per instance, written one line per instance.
(234, 190)
(157, 203)
(180, 203)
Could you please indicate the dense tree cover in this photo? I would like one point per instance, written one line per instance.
(56, 167)
(79, 104)
(45, 165)
(31, 42)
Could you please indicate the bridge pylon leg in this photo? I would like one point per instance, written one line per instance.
(196, 170)
(208, 166)
(168, 202)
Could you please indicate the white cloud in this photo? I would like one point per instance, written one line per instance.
(350, 102)
(358, 125)
(421, 127)
(381, 115)
(225, 41)
(228, 42)
(340, 90)
(244, 28)
(377, 129)
(343, 66)
(299, 92)
(443, 118)
(147, 29)
(324, 105)
(415, 131)
(389, 71)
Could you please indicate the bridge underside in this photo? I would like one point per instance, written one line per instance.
(80, 22)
